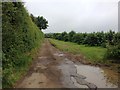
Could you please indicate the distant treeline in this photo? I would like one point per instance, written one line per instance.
(21, 38)
(109, 40)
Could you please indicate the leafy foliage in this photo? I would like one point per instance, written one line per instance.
(40, 21)
(113, 52)
(20, 36)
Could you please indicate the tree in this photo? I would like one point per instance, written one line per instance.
(71, 34)
(42, 23)
(78, 38)
(110, 36)
(64, 36)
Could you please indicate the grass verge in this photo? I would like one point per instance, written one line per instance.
(92, 54)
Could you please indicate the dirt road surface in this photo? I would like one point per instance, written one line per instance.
(53, 69)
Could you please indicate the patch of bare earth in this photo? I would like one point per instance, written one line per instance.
(43, 72)
(54, 69)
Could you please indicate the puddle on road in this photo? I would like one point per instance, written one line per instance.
(70, 77)
(59, 54)
(94, 75)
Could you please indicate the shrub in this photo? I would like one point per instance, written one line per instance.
(113, 52)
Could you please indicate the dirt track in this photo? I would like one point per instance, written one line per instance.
(43, 73)
(53, 69)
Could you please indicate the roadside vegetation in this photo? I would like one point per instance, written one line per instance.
(95, 48)
(87, 54)
(109, 41)
(93, 54)
(21, 39)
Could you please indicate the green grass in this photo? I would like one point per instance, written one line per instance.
(93, 54)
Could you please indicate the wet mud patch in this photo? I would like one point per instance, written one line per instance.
(59, 54)
(94, 75)
(78, 85)
(71, 77)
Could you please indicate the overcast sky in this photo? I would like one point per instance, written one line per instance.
(77, 15)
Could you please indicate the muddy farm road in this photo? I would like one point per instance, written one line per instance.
(53, 69)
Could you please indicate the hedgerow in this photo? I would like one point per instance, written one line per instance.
(20, 37)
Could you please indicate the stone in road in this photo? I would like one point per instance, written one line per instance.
(52, 69)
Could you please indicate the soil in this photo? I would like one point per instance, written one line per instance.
(53, 69)
(43, 72)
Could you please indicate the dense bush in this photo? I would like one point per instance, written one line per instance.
(78, 38)
(19, 37)
(113, 51)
